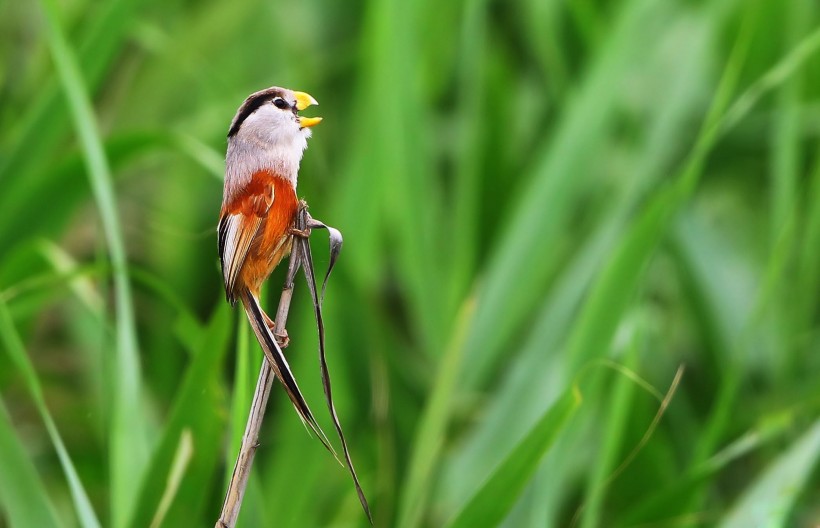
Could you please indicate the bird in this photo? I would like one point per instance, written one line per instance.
(266, 140)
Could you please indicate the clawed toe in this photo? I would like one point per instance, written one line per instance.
(301, 233)
(282, 339)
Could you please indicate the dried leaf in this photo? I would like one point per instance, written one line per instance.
(306, 258)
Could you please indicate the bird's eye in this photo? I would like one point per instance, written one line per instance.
(280, 103)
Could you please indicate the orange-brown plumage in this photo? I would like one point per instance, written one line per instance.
(272, 199)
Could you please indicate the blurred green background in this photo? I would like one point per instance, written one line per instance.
(549, 208)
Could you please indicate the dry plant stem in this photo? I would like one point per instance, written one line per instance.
(250, 439)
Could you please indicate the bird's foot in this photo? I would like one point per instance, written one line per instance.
(282, 339)
(301, 233)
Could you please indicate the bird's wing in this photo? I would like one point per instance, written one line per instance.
(240, 220)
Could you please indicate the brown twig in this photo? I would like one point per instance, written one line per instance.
(250, 439)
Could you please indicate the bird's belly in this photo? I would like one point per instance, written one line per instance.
(263, 258)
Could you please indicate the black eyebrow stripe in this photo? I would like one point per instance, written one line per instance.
(251, 105)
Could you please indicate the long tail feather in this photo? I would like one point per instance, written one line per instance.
(276, 359)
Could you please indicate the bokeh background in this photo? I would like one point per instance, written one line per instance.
(550, 208)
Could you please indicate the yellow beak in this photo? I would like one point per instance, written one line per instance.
(306, 122)
(303, 100)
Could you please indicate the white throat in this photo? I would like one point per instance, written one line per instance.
(256, 148)
(268, 139)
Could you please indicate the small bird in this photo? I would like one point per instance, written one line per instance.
(266, 141)
(259, 205)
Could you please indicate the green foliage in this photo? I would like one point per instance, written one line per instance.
(528, 190)
(491, 504)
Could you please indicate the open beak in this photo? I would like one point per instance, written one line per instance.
(303, 100)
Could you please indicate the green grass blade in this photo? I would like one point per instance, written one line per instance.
(769, 499)
(616, 419)
(498, 494)
(199, 408)
(208, 158)
(24, 170)
(472, 98)
(99, 42)
(388, 208)
(81, 286)
(522, 387)
(617, 283)
(432, 428)
(182, 458)
(559, 178)
(809, 261)
(22, 495)
(16, 349)
(129, 449)
(786, 138)
(663, 502)
(121, 151)
(781, 72)
(243, 387)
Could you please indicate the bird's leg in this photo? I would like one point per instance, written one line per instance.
(283, 340)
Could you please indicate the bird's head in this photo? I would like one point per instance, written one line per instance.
(268, 132)
(273, 114)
